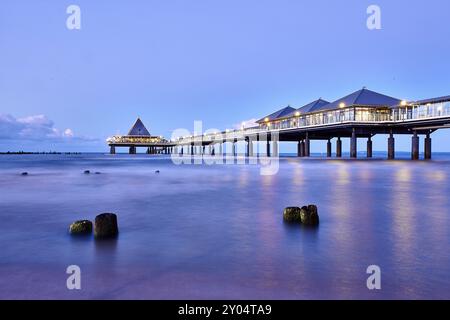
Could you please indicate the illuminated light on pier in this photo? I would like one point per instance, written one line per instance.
(139, 136)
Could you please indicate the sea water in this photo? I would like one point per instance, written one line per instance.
(216, 231)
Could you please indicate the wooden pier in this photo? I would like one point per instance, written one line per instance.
(360, 115)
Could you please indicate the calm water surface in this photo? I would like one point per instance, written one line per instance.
(194, 232)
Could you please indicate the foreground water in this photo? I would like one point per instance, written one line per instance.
(195, 232)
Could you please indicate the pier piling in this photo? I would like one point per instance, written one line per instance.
(415, 147)
(329, 148)
(391, 147)
(339, 148)
(307, 146)
(353, 144)
(427, 151)
(369, 147)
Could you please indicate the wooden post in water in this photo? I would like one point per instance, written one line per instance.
(415, 147)
(307, 146)
(353, 145)
(268, 146)
(427, 151)
(339, 148)
(329, 148)
(250, 146)
(369, 147)
(112, 150)
(391, 146)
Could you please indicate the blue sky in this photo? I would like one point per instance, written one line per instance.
(222, 62)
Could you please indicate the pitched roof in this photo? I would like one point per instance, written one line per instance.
(363, 97)
(310, 107)
(138, 129)
(278, 114)
(433, 100)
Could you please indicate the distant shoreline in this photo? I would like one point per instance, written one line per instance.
(25, 153)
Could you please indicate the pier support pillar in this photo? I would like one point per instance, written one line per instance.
(268, 147)
(112, 150)
(192, 149)
(415, 146)
(247, 147)
(353, 145)
(132, 150)
(221, 144)
(307, 143)
(369, 147)
(250, 147)
(391, 147)
(300, 148)
(427, 150)
(149, 150)
(329, 148)
(339, 148)
(234, 148)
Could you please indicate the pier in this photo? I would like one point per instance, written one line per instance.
(359, 115)
(139, 137)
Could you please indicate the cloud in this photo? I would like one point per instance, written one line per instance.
(32, 128)
(246, 124)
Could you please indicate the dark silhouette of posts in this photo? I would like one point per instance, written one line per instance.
(369, 147)
(300, 148)
(353, 144)
(427, 150)
(391, 146)
(339, 148)
(250, 147)
(329, 148)
(307, 147)
(415, 147)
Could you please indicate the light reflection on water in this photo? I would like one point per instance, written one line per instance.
(217, 231)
